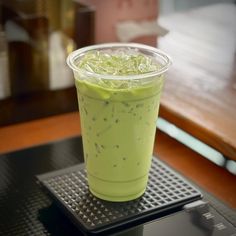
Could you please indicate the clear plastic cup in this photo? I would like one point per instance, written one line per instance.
(118, 122)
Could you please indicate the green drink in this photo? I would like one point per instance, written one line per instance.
(119, 88)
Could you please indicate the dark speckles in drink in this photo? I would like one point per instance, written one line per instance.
(139, 139)
(97, 147)
(81, 98)
(139, 105)
(85, 111)
(126, 104)
(131, 110)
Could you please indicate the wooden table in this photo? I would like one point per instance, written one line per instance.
(200, 90)
(210, 177)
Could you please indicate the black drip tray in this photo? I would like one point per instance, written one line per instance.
(166, 191)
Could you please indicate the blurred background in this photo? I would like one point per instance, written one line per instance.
(198, 101)
(37, 35)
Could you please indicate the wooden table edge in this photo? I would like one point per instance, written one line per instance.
(200, 132)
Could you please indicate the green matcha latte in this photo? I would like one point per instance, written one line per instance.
(119, 88)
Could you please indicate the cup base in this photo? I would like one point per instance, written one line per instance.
(117, 198)
(117, 191)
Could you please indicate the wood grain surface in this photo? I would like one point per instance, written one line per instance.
(212, 178)
(200, 90)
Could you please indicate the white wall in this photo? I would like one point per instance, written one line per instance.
(170, 6)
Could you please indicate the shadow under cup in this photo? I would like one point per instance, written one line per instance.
(118, 122)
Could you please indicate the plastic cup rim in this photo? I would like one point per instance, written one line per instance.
(77, 53)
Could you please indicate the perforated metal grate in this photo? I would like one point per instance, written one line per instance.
(165, 190)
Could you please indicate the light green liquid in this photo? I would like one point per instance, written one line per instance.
(118, 130)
